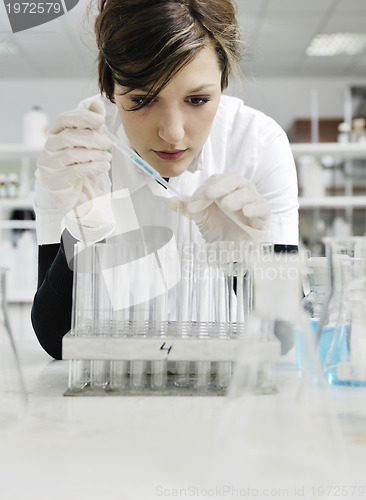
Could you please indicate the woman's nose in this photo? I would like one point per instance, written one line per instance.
(171, 126)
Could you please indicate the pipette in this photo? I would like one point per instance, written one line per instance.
(137, 160)
(149, 170)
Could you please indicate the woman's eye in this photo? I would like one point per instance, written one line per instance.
(138, 99)
(198, 101)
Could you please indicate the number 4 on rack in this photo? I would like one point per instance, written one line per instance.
(163, 348)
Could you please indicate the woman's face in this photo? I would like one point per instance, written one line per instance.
(170, 131)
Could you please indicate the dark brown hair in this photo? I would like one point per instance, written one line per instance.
(143, 43)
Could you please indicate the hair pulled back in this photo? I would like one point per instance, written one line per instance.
(142, 44)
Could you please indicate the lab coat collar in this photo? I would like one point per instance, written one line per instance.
(197, 163)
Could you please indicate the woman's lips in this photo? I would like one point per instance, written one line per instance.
(171, 155)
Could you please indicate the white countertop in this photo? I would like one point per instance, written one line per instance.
(126, 448)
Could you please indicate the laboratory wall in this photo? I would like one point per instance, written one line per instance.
(284, 99)
(288, 99)
(52, 95)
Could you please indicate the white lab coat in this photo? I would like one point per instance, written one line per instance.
(241, 140)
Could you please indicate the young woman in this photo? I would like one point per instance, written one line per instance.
(162, 66)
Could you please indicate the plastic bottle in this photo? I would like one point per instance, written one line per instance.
(3, 192)
(312, 177)
(12, 185)
(35, 127)
(359, 130)
(344, 131)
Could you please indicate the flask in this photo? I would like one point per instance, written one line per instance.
(262, 385)
(344, 313)
(276, 329)
(314, 301)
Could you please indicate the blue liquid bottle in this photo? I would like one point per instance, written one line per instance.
(314, 302)
(345, 312)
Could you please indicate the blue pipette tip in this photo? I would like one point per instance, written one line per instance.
(138, 161)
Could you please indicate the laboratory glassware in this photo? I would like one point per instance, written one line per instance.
(149, 314)
(344, 315)
(277, 326)
(286, 416)
(13, 396)
(314, 301)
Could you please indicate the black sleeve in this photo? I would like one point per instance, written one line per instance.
(51, 310)
(286, 248)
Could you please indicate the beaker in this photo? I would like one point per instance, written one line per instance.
(344, 315)
(13, 396)
(314, 301)
(276, 326)
(286, 420)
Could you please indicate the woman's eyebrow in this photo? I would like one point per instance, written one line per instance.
(205, 86)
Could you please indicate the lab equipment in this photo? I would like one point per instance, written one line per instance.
(344, 132)
(35, 127)
(12, 185)
(358, 133)
(344, 314)
(211, 225)
(13, 396)
(314, 301)
(138, 161)
(277, 328)
(151, 316)
(264, 388)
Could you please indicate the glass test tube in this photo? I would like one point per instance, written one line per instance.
(203, 291)
(185, 313)
(224, 304)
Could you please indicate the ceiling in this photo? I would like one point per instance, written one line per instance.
(275, 35)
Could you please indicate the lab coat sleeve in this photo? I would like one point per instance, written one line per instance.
(52, 304)
(48, 216)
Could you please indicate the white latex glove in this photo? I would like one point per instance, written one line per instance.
(226, 207)
(74, 168)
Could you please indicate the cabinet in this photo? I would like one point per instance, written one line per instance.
(22, 263)
(342, 208)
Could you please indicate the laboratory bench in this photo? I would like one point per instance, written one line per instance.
(126, 448)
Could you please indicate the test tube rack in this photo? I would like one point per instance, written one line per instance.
(160, 365)
(131, 335)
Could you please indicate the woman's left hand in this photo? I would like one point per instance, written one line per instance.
(227, 207)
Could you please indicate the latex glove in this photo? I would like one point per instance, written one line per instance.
(74, 168)
(226, 207)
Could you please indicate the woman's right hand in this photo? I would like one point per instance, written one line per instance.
(74, 164)
(73, 168)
